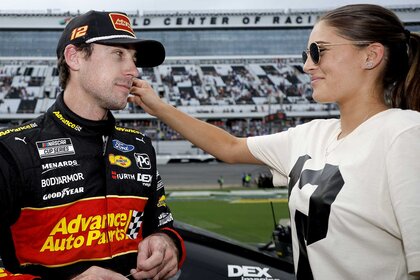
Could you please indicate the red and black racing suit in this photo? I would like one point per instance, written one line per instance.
(76, 193)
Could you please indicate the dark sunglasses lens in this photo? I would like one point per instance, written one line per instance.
(304, 57)
(314, 52)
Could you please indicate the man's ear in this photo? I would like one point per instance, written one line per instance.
(375, 54)
(72, 57)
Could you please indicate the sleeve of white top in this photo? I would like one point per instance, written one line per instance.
(403, 167)
(273, 150)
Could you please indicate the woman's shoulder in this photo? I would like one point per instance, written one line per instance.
(319, 124)
(401, 118)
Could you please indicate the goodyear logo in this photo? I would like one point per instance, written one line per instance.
(129, 130)
(87, 231)
(119, 160)
(18, 129)
(67, 122)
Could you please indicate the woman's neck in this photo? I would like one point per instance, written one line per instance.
(353, 116)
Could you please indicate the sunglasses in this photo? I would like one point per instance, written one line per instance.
(315, 49)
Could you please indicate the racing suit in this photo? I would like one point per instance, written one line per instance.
(76, 193)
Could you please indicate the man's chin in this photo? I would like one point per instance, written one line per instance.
(117, 107)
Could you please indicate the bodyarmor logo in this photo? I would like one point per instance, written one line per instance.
(142, 161)
(66, 179)
(120, 146)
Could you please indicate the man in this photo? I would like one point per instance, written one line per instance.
(81, 198)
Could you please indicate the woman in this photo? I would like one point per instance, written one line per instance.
(354, 182)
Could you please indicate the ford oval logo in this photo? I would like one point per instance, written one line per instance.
(120, 146)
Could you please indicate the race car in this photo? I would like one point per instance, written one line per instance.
(213, 257)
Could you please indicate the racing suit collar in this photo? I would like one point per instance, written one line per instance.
(64, 117)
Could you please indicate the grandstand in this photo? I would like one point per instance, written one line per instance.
(236, 69)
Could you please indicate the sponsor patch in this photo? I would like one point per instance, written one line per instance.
(120, 146)
(46, 167)
(119, 160)
(142, 161)
(159, 181)
(245, 271)
(162, 201)
(159, 185)
(121, 22)
(146, 179)
(17, 129)
(55, 147)
(129, 130)
(165, 218)
(63, 193)
(88, 229)
(66, 121)
(65, 179)
(122, 176)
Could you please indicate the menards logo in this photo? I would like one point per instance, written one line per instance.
(87, 231)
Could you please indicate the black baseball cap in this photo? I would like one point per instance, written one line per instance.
(110, 28)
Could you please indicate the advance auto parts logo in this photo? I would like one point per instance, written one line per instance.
(91, 230)
(66, 121)
(95, 228)
(18, 129)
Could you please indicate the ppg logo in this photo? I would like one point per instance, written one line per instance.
(142, 160)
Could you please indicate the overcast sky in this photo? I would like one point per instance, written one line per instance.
(185, 5)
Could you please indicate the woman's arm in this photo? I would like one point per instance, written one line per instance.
(210, 138)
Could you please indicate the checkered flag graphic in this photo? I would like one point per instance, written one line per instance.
(135, 223)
